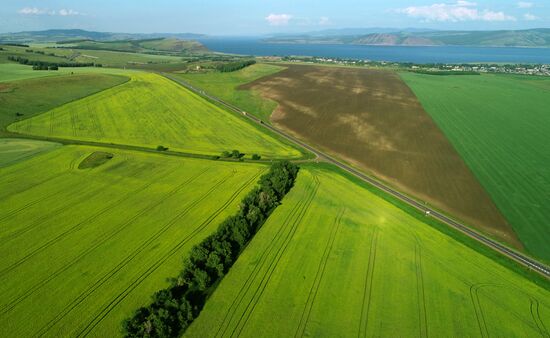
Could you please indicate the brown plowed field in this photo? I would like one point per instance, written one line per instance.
(371, 119)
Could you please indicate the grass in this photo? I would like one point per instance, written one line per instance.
(17, 150)
(336, 260)
(500, 126)
(226, 87)
(150, 110)
(15, 71)
(31, 97)
(82, 248)
(373, 121)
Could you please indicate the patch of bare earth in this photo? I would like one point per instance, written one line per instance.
(372, 119)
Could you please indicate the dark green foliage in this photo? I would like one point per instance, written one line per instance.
(25, 61)
(256, 157)
(233, 66)
(173, 309)
(233, 154)
(161, 148)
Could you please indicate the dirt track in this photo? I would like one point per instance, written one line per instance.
(372, 119)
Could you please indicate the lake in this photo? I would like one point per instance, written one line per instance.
(415, 54)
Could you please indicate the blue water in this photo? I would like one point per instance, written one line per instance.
(437, 54)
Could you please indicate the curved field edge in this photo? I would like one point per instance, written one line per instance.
(91, 245)
(353, 256)
(499, 125)
(151, 110)
(24, 99)
(230, 87)
(13, 150)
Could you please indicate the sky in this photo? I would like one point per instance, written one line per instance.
(260, 17)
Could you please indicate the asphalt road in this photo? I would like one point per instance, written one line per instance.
(517, 256)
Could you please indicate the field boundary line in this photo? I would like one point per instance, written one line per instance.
(312, 296)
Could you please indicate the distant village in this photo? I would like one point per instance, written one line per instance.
(469, 68)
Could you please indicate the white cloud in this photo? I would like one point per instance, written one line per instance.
(68, 12)
(523, 4)
(530, 17)
(33, 11)
(324, 21)
(278, 19)
(455, 12)
(43, 11)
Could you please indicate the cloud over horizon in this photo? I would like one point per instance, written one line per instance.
(278, 19)
(43, 11)
(454, 12)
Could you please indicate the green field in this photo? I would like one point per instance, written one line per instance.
(151, 110)
(225, 86)
(335, 260)
(23, 99)
(500, 125)
(15, 71)
(82, 248)
(17, 150)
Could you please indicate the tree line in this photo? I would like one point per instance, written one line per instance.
(40, 65)
(173, 309)
(233, 66)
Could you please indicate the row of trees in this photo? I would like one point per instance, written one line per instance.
(233, 66)
(25, 61)
(174, 308)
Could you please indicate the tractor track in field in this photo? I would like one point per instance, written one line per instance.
(367, 291)
(8, 307)
(251, 277)
(250, 307)
(306, 313)
(14, 212)
(39, 220)
(478, 310)
(74, 227)
(47, 216)
(129, 258)
(535, 313)
(121, 296)
(73, 122)
(422, 313)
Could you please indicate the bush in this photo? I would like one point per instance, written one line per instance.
(173, 309)
(161, 148)
(256, 157)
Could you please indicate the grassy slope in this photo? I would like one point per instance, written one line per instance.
(15, 71)
(72, 241)
(34, 96)
(224, 85)
(17, 150)
(333, 245)
(500, 126)
(149, 111)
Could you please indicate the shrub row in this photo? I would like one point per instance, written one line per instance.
(173, 309)
(233, 66)
(25, 61)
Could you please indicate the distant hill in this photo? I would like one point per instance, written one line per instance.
(503, 38)
(60, 35)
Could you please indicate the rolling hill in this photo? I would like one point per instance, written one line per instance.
(502, 38)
